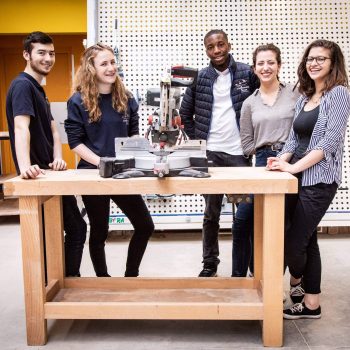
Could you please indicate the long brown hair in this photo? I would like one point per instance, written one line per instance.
(85, 82)
(337, 75)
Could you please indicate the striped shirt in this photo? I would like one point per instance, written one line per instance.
(328, 135)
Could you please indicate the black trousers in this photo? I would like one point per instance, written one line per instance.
(213, 205)
(133, 206)
(75, 235)
(304, 211)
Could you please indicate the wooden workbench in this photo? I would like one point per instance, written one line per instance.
(258, 298)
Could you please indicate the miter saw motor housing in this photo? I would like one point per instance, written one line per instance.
(166, 149)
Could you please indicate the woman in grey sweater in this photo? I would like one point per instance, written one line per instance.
(266, 118)
(267, 115)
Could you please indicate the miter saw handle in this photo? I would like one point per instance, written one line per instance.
(183, 72)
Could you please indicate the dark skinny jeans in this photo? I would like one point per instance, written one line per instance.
(134, 207)
(213, 205)
(243, 228)
(75, 235)
(304, 211)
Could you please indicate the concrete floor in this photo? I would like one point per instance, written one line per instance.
(175, 255)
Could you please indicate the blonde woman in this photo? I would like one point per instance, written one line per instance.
(100, 110)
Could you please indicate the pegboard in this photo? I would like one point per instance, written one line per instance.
(152, 35)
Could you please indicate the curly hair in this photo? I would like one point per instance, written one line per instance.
(337, 75)
(85, 83)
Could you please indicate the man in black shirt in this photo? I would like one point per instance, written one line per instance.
(35, 141)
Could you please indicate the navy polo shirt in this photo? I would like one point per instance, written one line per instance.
(27, 97)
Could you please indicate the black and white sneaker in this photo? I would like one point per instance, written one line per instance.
(299, 310)
(209, 270)
(297, 293)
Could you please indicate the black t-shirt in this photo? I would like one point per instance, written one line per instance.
(27, 97)
(303, 127)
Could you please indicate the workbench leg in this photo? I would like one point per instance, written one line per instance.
(33, 269)
(54, 240)
(273, 241)
(258, 235)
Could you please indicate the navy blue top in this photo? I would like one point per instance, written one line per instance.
(99, 136)
(27, 97)
(197, 104)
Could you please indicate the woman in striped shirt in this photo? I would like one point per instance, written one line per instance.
(313, 153)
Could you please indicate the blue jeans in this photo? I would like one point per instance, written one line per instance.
(261, 156)
(213, 204)
(243, 227)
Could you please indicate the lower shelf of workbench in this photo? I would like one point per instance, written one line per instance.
(9, 207)
(148, 298)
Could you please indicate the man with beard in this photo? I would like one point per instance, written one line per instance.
(35, 141)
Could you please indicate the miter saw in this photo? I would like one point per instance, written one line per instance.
(166, 149)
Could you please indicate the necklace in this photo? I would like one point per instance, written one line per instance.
(315, 99)
(269, 98)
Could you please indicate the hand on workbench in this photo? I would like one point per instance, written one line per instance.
(58, 164)
(275, 163)
(32, 172)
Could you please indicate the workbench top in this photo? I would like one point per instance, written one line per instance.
(87, 181)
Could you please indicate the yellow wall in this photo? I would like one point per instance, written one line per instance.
(51, 16)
